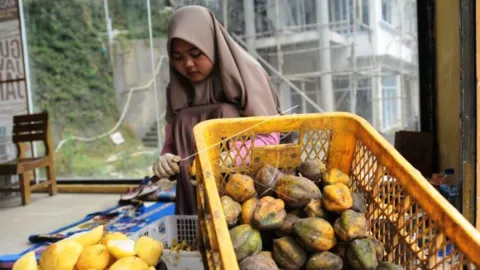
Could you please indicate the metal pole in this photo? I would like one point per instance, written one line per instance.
(373, 14)
(354, 81)
(402, 112)
(154, 79)
(277, 35)
(249, 13)
(26, 62)
(304, 103)
(225, 14)
(26, 74)
(324, 57)
(108, 22)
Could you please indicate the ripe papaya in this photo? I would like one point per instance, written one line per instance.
(337, 198)
(323, 261)
(296, 191)
(231, 210)
(288, 254)
(316, 234)
(246, 241)
(269, 214)
(240, 187)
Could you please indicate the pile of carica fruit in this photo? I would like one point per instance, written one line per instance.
(305, 220)
(97, 250)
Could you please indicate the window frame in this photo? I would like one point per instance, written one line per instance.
(387, 10)
(391, 124)
(344, 14)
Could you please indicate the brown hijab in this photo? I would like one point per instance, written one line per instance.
(237, 78)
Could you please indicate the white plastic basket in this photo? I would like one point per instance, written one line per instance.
(181, 228)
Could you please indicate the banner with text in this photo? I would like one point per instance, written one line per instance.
(13, 90)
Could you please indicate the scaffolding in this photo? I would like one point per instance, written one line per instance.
(332, 55)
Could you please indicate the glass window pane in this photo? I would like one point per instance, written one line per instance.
(84, 69)
(364, 99)
(91, 68)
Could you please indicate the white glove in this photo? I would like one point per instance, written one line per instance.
(166, 166)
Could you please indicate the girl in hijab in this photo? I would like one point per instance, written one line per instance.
(211, 76)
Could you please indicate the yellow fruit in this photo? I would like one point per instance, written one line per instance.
(240, 187)
(62, 255)
(334, 176)
(26, 262)
(88, 238)
(152, 268)
(130, 263)
(248, 208)
(121, 248)
(231, 210)
(113, 236)
(149, 250)
(337, 198)
(94, 257)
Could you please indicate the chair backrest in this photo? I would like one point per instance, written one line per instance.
(30, 127)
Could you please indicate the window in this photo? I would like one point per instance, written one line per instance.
(344, 95)
(302, 12)
(364, 106)
(89, 99)
(342, 100)
(365, 14)
(303, 105)
(339, 10)
(387, 11)
(409, 19)
(390, 102)
(342, 11)
(341, 86)
(297, 100)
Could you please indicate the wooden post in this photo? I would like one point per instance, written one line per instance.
(477, 172)
(467, 107)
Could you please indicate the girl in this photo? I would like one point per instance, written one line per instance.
(211, 77)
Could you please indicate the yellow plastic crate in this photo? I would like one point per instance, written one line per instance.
(419, 228)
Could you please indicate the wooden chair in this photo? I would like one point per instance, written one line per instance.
(30, 128)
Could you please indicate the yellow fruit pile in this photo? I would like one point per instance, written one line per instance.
(94, 250)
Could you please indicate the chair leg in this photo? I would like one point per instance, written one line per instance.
(25, 188)
(52, 179)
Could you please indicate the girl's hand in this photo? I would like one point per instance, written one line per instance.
(166, 166)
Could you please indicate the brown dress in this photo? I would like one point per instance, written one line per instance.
(184, 146)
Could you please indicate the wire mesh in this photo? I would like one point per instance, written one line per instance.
(410, 237)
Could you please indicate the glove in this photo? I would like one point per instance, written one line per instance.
(166, 166)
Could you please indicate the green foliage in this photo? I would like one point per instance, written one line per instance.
(102, 158)
(72, 78)
(132, 16)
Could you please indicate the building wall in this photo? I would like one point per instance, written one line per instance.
(389, 44)
(448, 82)
(364, 45)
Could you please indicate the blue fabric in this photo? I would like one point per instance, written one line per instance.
(128, 219)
